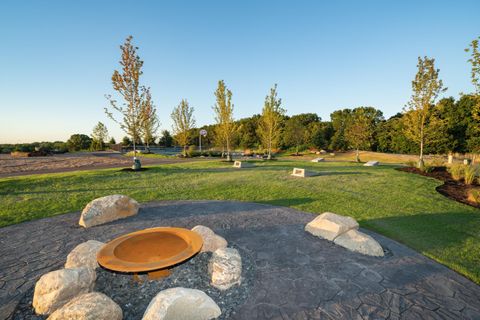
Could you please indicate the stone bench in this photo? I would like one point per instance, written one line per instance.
(242, 164)
(302, 173)
(371, 164)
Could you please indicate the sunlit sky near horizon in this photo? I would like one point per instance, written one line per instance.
(57, 57)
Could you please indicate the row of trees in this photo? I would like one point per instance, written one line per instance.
(426, 124)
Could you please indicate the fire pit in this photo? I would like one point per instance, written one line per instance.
(149, 250)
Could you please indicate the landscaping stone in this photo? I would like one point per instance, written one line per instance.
(242, 164)
(56, 288)
(89, 306)
(182, 303)
(330, 225)
(225, 268)
(318, 160)
(84, 255)
(211, 241)
(302, 173)
(107, 209)
(360, 242)
(371, 164)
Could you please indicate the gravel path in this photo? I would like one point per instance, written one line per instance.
(296, 275)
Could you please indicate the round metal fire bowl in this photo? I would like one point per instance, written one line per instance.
(149, 249)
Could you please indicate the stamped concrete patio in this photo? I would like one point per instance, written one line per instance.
(297, 276)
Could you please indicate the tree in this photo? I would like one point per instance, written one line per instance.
(294, 133)
(339, 123)
(99, 136)
(360, 128)
(127, 85)
(418, 120)
(474, 142)
(269, 126)
(183, 122)
(126, 142)
(224, 116)
(79, 142)
(150, 121)
(166, 139)
(112, 141)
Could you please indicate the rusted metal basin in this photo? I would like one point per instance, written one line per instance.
(149, 249)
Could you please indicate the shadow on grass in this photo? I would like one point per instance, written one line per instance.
(433, 231)
(287, 202)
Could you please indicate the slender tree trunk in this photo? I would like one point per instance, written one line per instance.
(421, 164)
(269, 157)
(357, 156)
(185, 150)
(229, 158)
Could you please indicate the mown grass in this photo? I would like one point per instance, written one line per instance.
(400, 205)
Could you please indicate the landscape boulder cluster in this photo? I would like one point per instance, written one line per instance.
(344, 232)
(68, 293)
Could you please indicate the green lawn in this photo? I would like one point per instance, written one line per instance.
(402, 206)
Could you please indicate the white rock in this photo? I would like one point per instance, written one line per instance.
(330, 225)
(84, 255)
(181, 304)
(89, 306)
(211, 241)
(318, 160)
(106, 209)
(302, 173)
(360, 242)
(371, 163)
(225, 268)
(56, 288)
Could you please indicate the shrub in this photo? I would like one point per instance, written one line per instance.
(456, 171)
(474, 195)
(427, 168)
(470, 172)
(411, 164)
(437, 162)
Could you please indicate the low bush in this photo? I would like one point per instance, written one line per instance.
(428, 167)
(470, 172)
(411, 164)
(474, 195)
(456, 171)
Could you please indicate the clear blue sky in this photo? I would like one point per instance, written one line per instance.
(57, 57)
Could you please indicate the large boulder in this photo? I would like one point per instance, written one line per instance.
(330, 225)
(211, 241)
(84, 255)
(56, 288)
(181, 303)
(225, 268)
(106, 209)
(360, 242)
(89, 306)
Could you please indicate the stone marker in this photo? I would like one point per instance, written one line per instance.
(56, 288)
(450, 158)
(84, 255)
(89, 306)
(360, 242)
(181, 303)
(106, 209)
(330, 225)
(371, 163)
(211, 241)
(242, 164)
(318, 160)
(225, 268)
(323, 152)
(302, 173)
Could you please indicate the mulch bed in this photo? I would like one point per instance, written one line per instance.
(452, 189)
(131, 170)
